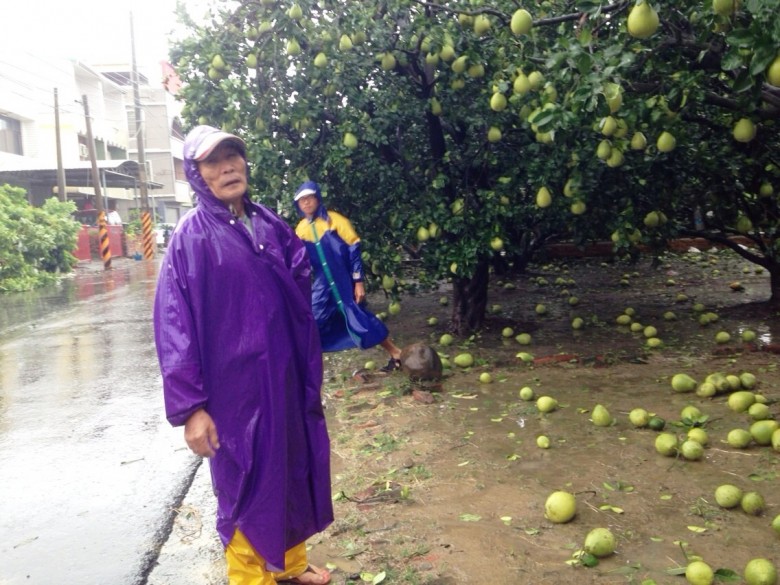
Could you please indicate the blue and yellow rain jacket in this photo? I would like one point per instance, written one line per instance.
(331, 240)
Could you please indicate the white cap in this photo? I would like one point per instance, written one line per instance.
(304, 193)
(212, 140)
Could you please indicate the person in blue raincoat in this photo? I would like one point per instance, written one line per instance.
(241, 363)
(338, 292)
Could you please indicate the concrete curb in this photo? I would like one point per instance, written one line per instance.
(193, 552)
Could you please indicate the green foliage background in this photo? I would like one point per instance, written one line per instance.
(36, 243)
(293, 78)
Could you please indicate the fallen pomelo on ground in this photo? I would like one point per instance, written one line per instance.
(639, 417)
(600, 542)
(560, 507)
(699, 435)
(690, 412)
(728, 495)
(600, 416)
(683, 383)
(762, 430)
(752, 503)
(747, 380)
(526, 393)
(546, 404)
(656, 423)
(666, 444)
(740, 401)
(739, 438)
(760, 572)
(776, 524)
(692, 450)
(706, 390)
(759, 411)
(464, 360)
(699, 573)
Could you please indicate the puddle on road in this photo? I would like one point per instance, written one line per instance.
(85, 283)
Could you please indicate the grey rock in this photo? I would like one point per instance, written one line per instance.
(421, 362)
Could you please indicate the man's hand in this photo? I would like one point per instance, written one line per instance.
(200, 432)
(360, 292)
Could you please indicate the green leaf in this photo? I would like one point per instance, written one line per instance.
(763, 55)
(740, 37)
(727, 576)
(470, 517)
(731, 61)
(743, 82)
(589, 560)
(588, 6)
(542, 118)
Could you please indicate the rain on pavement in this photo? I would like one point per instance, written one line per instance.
(90, 469)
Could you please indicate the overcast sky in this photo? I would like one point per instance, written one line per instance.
(92, 31)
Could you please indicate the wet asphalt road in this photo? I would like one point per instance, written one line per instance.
(90, 470)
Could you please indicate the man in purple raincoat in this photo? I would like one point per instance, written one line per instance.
(242, 366)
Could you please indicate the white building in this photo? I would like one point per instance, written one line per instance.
(28, 138)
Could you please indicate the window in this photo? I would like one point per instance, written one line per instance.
(178, 169)
(10, 135)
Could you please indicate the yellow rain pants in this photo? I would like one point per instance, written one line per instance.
(246, 567)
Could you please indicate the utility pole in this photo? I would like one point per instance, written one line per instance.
(104, 245)
(61, 193)
(146, 216)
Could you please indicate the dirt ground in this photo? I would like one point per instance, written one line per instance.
(452, 491)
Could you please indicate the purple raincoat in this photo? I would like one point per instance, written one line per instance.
(235, 335)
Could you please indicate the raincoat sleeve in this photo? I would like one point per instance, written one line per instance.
(347, 232)
(176, 338)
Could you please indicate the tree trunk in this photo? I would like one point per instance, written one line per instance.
(774, 285)
(761, 252)
(470, 300)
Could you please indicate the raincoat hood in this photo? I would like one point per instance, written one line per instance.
(199, 138)
(311, 186)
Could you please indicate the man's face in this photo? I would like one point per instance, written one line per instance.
(308, 204)
(224, 171)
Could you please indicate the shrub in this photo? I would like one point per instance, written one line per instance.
(36, 243)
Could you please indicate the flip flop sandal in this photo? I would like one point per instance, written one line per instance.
(311, 576)
(392, 364)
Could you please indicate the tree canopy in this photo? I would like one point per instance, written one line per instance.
(465, 134)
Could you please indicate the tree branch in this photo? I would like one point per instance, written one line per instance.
(506, 18)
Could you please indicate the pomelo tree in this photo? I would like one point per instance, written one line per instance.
(466, 135)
